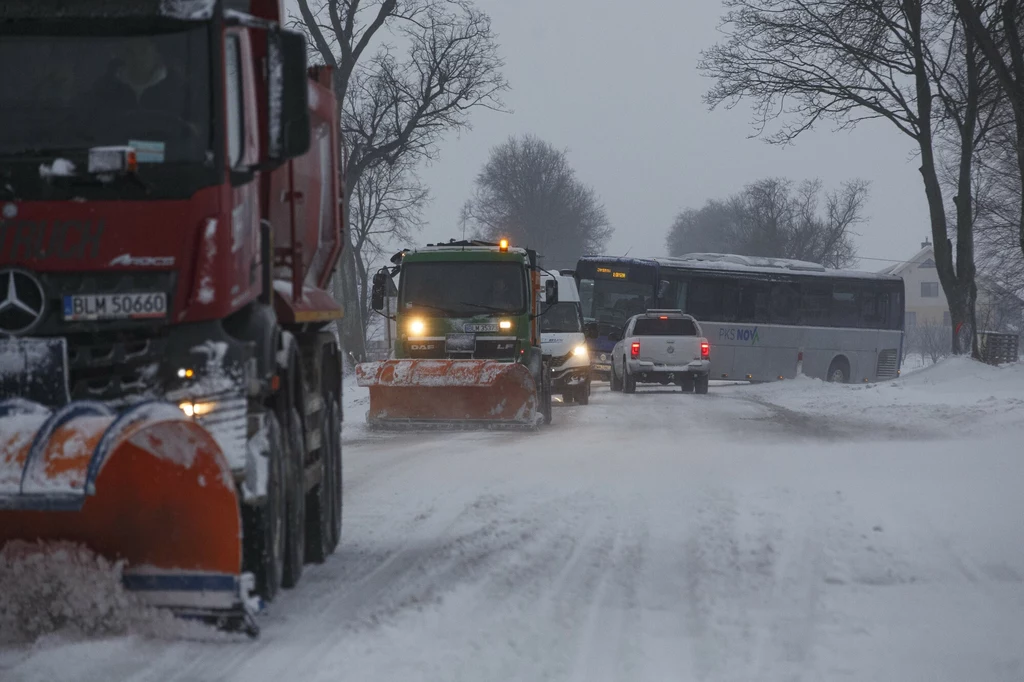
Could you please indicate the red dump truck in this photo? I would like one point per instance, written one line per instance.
(170, 218)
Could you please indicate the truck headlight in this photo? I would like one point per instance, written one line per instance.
(416, 327)
(196, 409)
(580, 351)
(505, 325)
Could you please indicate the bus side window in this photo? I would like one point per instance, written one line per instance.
(846, 306)
(873, 308)
(729, 310)
(815, 302)
(755, 302)
(785, 303)
(705, 298)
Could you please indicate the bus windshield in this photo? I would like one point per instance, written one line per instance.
(612, 302)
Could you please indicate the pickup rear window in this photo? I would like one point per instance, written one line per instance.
(671, 327)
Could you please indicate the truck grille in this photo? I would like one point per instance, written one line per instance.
(108, 360)
(486, 349)
(886, 363)
(112, 365)
(561, 359)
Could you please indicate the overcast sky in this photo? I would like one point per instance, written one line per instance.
(617, 85)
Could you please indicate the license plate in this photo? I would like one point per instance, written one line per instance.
(115, 306)
(480, 328)
(460, 343)
(34, 369)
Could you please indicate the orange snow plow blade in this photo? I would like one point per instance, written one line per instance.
(450, 393)
(148, 487)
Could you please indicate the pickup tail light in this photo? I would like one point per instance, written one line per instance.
(705, 350)
(634, 349)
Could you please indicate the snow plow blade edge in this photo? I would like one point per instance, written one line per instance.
(148, 487)
(449, 394)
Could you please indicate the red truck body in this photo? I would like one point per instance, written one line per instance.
(177, 252)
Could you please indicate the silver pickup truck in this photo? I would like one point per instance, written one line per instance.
(661, 347)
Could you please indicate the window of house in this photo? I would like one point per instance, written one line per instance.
(929, 289)
(910, 320)
(929, 264)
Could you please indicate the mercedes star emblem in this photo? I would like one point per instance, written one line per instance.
(21, 302)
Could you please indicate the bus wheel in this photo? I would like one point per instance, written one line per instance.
(839, 371)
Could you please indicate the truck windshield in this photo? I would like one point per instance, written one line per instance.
(72, 92)
(561, 318)
(464, 289)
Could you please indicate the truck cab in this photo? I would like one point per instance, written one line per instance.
(467, 346)
(564, 341)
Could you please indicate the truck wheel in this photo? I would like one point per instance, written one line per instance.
(546, 395)
(569, 396)
(264, 526)
(295, 546)
(615, 381)
(583, 394)
(323, 504)
(700, 384)
(628, 382)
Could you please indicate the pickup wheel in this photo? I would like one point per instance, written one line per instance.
(700, 384)
(687, 383)
(613, 379)
(628, 381)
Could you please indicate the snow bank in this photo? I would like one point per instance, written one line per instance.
(63, 588)
(956, 396)
(49, 588)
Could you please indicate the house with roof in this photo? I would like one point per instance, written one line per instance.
(926, 303)
(998, 307)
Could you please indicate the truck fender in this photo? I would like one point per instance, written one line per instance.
(257, 324)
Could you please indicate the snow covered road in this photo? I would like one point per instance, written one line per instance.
(757, 533)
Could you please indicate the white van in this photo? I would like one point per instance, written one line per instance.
(563, 340)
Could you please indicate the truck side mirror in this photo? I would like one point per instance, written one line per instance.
(662, 289)
(288, 122)
(551, 292)
(590, 330)
(614, 336)
(377, 292)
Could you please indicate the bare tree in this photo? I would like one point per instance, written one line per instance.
(998, 25)
(929, 339)
(387, 208)
(435, 62)
(528, 192)
(908, 62)
(772, 218)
